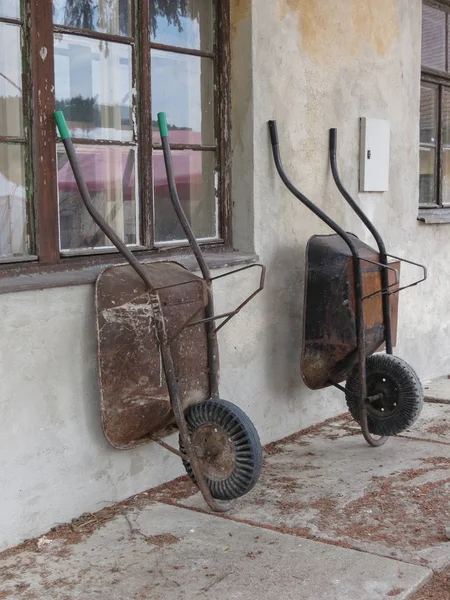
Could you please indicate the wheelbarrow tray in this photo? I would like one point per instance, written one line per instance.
(329, 328)
(135, 403)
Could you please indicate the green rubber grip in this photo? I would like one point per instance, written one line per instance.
(62, 125)
(162, 121)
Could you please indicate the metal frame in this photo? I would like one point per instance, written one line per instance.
(158, 315)
(359, 299)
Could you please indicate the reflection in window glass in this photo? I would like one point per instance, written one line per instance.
(93, 87)
(427, 185)
(188, 24)
(111, 179)
(433, 38)
(446, 176)
(183, 88)
(195, 178)
(10, 9)
(428, 115)
(13, 213)
(445, 117)
(11, 118)
(106, 16)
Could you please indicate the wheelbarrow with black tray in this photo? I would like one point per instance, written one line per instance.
(158, 357)
(350, 313)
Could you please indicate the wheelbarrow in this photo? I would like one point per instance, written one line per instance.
(350, 312)
(158, 357)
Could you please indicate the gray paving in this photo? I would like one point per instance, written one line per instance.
(392, 501)
(437, 390)
(170, 553)
(433, 425)
(331, 518)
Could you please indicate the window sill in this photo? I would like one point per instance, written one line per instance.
(67, 274)
(434, 216)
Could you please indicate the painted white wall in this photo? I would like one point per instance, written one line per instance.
(311, 65)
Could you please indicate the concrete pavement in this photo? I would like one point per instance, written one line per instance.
(331, 518)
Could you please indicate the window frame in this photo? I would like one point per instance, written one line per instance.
(38, 32)
(439, 79)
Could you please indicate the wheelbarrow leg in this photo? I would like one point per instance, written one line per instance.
(178, 412)
(361, 344)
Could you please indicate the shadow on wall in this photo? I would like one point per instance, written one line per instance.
(284, 303)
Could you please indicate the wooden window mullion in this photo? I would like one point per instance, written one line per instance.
(439, 147)
(43, 138)
(144, 121)
(223, 112)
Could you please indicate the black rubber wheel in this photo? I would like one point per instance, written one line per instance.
(228, 447)
(396, 391)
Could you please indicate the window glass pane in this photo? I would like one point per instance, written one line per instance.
(110, 176)
(446, 117)
(10, 9)
(93, 87)
(433, 38)
(183, 88)
(11, 117)
(13, 205)
(428, 115)
(446, 176)
(107, 16)
(427, 185)
(195, 177)
(188, 24)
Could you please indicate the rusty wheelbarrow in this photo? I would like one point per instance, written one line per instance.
(158, 358)
(350, 312)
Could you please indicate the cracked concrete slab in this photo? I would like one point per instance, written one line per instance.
(433, 425)
(166, 552)
(437, 390)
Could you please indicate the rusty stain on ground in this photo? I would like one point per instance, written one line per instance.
(330, 30)
(437, 589)
(161, 539)
(439, 428)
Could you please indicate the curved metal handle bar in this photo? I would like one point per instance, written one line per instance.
(100, 220)
(378, 239)
(360, 332)
(415, 264)
(250, 297)
(213, 348)
(232, 313)
(361, 214)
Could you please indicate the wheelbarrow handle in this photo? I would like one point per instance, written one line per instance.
(86, 197)
(195, 246)
(273, 133)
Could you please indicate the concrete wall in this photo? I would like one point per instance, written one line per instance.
(312, 65)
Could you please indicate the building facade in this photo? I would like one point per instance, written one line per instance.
(220, 72)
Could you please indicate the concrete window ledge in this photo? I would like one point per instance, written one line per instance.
(431, 216)
(66, 276)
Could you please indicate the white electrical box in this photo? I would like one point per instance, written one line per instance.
(374, 155)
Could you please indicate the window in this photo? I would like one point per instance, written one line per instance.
(110, 66)
(15, 238)
(435, 107)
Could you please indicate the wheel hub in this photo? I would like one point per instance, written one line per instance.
(215, 451)
(382, 395)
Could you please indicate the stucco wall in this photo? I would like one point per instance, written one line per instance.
(312, 65)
